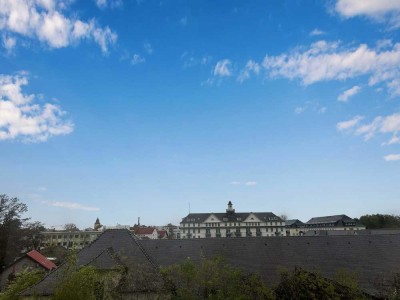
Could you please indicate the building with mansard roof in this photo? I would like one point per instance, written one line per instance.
(231, 224)
(337, 222)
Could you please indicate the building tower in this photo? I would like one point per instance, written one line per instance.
(97, 224)
(230, 209)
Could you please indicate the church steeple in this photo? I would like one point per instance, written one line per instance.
(97, 224)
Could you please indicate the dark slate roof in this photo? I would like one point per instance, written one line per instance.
(231, 217)
(294, 223)
(110, 249)
(330, 219)
(373, 257)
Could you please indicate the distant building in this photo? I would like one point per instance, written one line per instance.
(145, 232)
(337, 222)
(162, 234)
(67, 239)
(173, 231)
(29, 261)
(231, 224)
(294, 227)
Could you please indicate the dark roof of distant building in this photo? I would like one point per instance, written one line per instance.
(329, 219)
(231, 217)
(294, 223)
(42, 260)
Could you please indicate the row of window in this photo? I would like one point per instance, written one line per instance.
(234, 224)
(228, 230)
(65, 237)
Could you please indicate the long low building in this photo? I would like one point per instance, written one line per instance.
(231, 224)
(374, 258)
(67, 239)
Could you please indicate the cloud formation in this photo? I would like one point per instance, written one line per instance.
(324, 61)
(379, 125)
(45, 20)
(251, 67)
(137, 59)
(317, 32)
(21, 118)
(102, 4)
(392, 157)
(70, 205)
(344, 97)
(379, 10)
(223, 68)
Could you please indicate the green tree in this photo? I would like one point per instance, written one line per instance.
(213, 279)
(378, 221)
(71, 227)
(86, 283)
(22, 281)
(11, 222)
(301, 284)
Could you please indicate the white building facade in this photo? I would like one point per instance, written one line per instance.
(231, 224)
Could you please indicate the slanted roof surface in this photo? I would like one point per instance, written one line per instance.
(231, 217)
(111, 248)
(42, 260)
(329, 219)
(374, 257)
(293, 223)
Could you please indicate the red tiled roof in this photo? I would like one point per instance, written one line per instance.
(143, 230)
(39, 258)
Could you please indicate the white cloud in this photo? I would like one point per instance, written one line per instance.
(223, 68)
(190, 60)
(392, 157)
(346, 125)
(235, 182)
(251, 183)
(42, 189)
(313, 106)
(21, 118)
(70, 205)
(148, 48)
(299, 110)
(109, 3)
(317, 32)
(45, 20)
(137, 59)
(379, 125)
(9, 43)
(375, 9)
(324, 61)
(344, 97)
(251, 67)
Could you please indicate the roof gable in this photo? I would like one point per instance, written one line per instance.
(212, 218)
(252, 218)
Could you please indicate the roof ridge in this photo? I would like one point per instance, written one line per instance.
(141, 248)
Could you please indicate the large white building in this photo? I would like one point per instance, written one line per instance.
(231, 224)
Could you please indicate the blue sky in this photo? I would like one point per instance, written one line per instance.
(118, 108)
